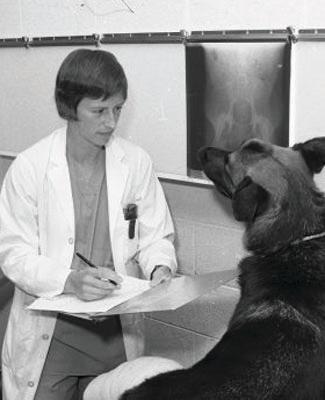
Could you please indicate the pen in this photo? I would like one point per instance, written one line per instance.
(88, 262)
(131, 214)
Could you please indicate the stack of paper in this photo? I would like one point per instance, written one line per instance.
(136, 295)
(68, 303)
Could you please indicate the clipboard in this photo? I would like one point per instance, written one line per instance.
(169, 295)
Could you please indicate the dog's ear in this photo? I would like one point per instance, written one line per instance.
(313, 152)
(249, 200)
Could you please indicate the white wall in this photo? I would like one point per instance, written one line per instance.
(72, 17)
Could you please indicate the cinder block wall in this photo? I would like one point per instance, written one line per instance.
(207, 239)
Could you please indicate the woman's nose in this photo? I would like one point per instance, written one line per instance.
(109, 120)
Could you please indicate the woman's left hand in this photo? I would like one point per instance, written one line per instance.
(160, 274)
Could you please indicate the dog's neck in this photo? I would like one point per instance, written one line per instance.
(295, 266)
(307, 238)
(279, 247)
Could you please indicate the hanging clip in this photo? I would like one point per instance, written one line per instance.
(292, 35)
(184, 35)
(26, 40)
(97, 38)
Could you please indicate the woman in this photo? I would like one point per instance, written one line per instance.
(81, 189)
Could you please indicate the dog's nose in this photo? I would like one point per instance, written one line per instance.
(208, 154)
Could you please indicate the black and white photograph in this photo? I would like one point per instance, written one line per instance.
(162, 200)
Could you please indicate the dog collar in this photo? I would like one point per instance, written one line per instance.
(311, 237)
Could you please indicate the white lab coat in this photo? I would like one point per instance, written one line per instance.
(37, 243)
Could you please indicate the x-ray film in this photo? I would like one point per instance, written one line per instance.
(236, 91)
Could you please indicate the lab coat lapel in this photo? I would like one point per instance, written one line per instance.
(117, 173)
(59, 178)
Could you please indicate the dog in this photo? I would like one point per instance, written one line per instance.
(274, 347)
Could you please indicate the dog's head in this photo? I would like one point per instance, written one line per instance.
(271, 189)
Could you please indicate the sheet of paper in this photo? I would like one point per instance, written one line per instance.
(174, 294)
(169, 295)
(130, 287)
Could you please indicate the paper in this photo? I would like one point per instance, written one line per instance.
(136, 295)
(169, 295)
(66, 303)
(175, 293)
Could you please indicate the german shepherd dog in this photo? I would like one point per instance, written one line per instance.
(274, 347)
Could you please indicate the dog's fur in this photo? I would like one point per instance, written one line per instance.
(274, 347)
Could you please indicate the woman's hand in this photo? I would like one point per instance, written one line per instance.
(92, 284)
(161, 273)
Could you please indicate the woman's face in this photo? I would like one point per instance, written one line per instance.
(97, 118)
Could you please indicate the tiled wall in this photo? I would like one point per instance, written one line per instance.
(207, 239)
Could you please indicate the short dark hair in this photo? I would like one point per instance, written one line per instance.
(87, 73)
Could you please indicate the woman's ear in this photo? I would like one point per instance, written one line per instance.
(313, 152)
(249, 200)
